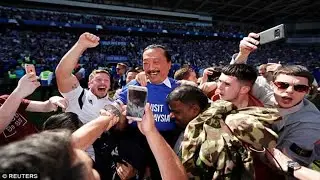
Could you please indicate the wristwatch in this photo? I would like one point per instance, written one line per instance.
(293, 166)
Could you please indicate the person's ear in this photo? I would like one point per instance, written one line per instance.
(195, 109)
(245, 89)
(89, 83)
(169, 65)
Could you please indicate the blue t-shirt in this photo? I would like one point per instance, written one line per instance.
(157, 95)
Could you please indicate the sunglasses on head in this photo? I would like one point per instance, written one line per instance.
(297, 87)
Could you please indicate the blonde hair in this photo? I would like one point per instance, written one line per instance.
(97, 71)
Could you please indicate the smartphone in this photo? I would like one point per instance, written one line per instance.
(30, 68)
(272, 34)
(136, 101)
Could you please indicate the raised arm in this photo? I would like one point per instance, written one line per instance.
(26, 86)
(65, 79)
(168, 162)
(247, 45)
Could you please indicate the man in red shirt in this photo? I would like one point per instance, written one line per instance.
(235, 84)
(13, 107)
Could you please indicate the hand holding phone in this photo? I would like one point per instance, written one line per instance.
(136, 101)
(273, 34)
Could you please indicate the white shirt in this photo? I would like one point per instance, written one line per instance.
(91, 104)
(165, 82)
(90, 109)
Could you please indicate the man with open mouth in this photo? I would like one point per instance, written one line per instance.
(299, 129)
(300, 125)
(86, 103)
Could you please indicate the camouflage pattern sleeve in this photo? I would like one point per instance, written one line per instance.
(212, 151)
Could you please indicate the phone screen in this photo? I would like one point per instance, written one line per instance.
(137, 99)
(29, 68)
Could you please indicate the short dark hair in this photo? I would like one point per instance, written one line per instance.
(182, 74)
(67, 120)
(164, 48)
(242, 72)
(49, 153)
(189, 95)
(295, 70)
(132, 70)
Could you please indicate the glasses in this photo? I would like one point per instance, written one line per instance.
(297, 87)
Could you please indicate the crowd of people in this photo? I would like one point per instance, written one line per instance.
(239, 125)
(226, 121)
(31, 14)
(46, 49)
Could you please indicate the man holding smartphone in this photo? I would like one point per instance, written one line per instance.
(156, 65)
(14, 124)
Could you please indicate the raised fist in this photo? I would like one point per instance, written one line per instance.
(88, 40)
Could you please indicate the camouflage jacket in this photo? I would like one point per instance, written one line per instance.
(211, 151)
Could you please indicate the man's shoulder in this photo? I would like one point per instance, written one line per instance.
(133, 82)
(306, 116)
(261, 79)
(76, 92)
(174, 83)
(310, 108)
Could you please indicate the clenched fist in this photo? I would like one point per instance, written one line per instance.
(88, 40)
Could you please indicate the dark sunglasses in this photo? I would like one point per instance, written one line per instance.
(297, 87)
